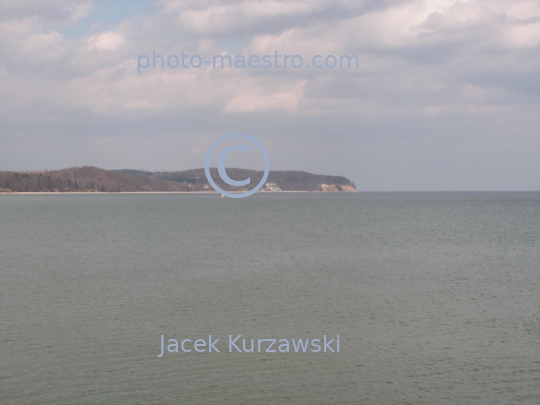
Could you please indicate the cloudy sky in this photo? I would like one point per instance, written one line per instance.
(446, 95)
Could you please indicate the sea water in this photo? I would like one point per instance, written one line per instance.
(435, 297)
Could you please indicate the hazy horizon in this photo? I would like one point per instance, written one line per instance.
(280, 170)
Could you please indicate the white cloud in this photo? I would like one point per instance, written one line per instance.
(250, 96)
(106, 41)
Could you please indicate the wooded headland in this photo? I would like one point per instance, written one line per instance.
(93, 179)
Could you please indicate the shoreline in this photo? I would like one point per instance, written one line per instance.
(106, 192)
(153, 192)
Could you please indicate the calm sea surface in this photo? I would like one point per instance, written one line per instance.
(436, 298)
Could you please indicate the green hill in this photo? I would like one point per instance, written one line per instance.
(93, 179)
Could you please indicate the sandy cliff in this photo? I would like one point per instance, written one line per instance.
(333, 187)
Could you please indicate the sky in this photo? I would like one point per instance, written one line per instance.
(446, 95)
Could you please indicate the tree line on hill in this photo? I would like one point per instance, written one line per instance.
(93, 179)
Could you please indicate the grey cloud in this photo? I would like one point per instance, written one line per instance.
(236, 19)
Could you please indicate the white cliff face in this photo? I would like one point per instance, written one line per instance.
(271, 186)
(328, 187)
(333, 187)
(347, 188)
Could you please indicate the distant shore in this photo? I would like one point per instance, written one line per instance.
(106, 192)
(145, 192)
(89, 179)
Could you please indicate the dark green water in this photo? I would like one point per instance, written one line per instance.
(436, 298)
